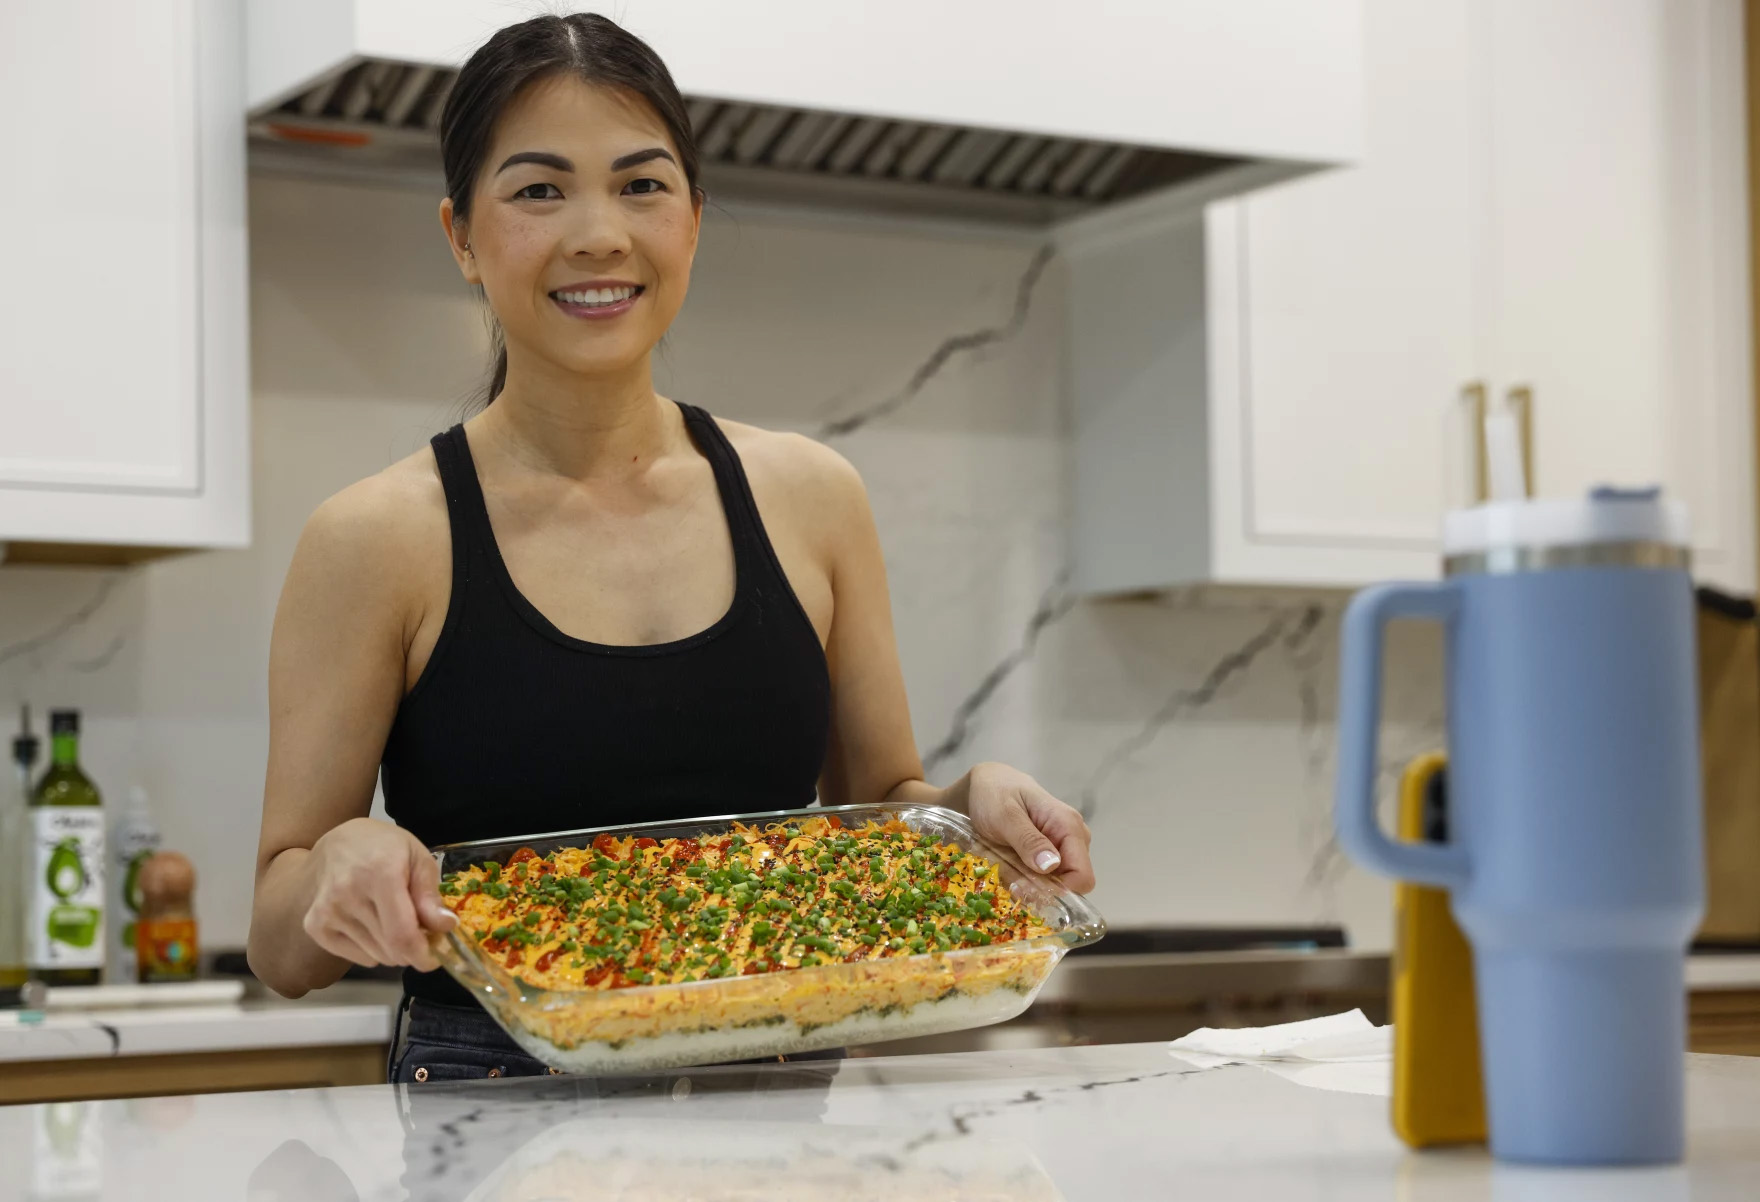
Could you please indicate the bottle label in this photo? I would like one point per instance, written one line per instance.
(167, 949)
(66, 887)
(134, 846)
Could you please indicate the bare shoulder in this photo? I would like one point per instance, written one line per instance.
(382, 513)
(384, 537)
(805, 475)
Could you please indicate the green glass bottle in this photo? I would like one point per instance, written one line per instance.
(66, 880)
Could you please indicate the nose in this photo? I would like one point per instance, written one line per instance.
(599, 231)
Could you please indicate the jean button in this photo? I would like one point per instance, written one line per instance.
(421, 1074)
(494, 1072)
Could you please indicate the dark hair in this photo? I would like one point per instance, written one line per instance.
(593, 48)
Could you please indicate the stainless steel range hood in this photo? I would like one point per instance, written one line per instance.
(377, 120)
(1020, 111)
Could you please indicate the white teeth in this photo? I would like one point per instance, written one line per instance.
(596, 296)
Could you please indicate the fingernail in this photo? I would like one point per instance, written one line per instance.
(1047, 860)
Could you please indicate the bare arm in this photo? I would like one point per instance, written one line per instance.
(872, 750)
(334, 886)
(872, 755)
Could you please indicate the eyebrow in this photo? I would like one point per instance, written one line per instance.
(544, 158)
(541, 157)
(637, 158)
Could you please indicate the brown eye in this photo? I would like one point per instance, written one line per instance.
(537, 192)
(646, 186)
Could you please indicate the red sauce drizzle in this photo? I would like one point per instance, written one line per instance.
(547, 959)
(644, 843)
(521, 856)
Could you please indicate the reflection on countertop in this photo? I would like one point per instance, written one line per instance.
(1118, 1122)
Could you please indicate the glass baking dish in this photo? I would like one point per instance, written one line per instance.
(642, 1027)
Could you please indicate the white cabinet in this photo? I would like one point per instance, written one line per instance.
(1345, 327)
(1616, 272)
(123, 327)
(1552, 196)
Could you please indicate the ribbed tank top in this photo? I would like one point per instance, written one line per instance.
(515, 728)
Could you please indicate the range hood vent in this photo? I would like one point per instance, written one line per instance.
(378, 119)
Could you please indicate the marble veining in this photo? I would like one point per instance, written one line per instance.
(36, 644)
(1054, 603)
(1289, 629)
(1119, 1122)
(947, 351)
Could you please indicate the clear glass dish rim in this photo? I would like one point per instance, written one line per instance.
(1086, 925)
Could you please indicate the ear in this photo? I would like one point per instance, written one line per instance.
(458, 237)
(698, 197)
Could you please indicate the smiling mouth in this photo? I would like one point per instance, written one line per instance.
(597, 302)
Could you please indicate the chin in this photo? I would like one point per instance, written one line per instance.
(599, 353)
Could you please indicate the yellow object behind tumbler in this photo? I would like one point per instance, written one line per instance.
(1438, 1094)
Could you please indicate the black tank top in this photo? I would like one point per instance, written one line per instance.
(515, 728)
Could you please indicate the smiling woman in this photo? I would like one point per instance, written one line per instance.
(587, 133)
(589, 604)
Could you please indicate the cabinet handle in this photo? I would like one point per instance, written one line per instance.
(1521, 399)
(1474, 395)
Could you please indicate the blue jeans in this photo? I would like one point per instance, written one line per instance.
(435, 1042)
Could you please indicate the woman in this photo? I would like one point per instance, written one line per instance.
(588, 604)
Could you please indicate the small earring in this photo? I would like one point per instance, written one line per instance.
(468, 251)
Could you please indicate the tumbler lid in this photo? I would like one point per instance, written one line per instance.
(1609, 527)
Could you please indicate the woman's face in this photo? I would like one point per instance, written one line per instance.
(582, 228)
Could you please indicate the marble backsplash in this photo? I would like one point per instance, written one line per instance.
(1194, 728)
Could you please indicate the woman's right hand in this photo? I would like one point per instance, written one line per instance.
(377, 896)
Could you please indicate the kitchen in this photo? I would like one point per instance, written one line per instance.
(1117, 558)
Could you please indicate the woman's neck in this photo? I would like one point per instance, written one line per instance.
(580, 427)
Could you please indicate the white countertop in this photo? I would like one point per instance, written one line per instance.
(1118, 1122)
(1723, 972)
(338, 1016)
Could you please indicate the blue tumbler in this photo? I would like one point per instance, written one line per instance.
(1575, 856)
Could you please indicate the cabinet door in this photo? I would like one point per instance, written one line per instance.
(1618, 231)
(122, 321)
(1342, 311)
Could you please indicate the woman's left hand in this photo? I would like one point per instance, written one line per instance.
(1011, 808)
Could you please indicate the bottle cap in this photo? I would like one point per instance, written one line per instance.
(25, 745)
(167, 881)
(1568, 530)
(64, 722)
